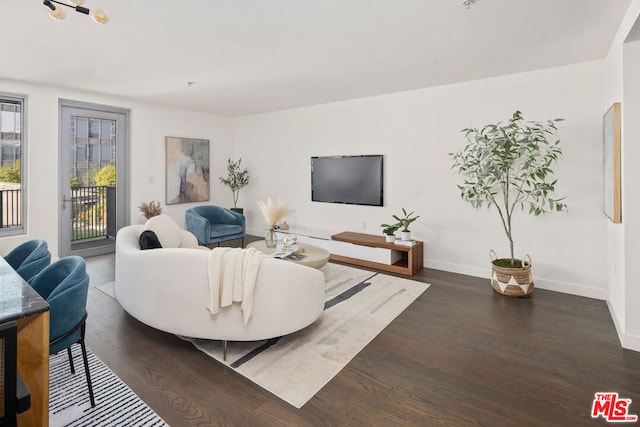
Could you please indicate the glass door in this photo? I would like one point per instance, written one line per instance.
(93, 190)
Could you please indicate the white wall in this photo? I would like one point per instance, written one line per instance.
(622, 66)
(415, 131)
(631, 189)
(615, 232)
(149, 126)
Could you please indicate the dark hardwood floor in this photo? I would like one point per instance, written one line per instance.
(459, 355)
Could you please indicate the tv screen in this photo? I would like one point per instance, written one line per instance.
(347, 179)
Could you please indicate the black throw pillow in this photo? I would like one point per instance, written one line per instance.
(149, 240)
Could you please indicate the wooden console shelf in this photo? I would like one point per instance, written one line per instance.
(411, 261)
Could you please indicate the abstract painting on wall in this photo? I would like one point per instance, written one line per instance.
(187, 168)
(611, 156)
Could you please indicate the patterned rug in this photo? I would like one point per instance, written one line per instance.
(359, 305)
(116, 404)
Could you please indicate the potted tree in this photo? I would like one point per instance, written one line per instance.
(509, 166)
(237, 178)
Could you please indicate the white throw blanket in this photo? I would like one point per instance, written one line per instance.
(232, 278)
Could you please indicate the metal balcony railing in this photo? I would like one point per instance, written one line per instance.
(10, 208)
(92, 211)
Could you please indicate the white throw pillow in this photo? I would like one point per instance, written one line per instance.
(168, 231)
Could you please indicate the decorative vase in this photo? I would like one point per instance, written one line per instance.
(391, 238)
(271, 238)
(405, 235)
(512, 281)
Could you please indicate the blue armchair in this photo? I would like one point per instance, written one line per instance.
(29, 258)
(213, 224)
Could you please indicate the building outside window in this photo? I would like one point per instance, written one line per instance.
(95, 147)
(12, 164)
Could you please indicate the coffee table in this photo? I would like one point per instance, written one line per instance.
(316, 257)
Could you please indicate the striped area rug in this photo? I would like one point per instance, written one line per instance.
(116, 404)
(359, 305)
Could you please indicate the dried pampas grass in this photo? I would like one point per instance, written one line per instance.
(273, 212)
(150, 209)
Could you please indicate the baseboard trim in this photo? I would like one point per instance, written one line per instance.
(541, 283)
(628, 341)
(631, 342)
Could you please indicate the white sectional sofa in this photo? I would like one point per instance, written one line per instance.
(168, 289)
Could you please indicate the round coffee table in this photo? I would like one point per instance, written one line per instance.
(315, 256)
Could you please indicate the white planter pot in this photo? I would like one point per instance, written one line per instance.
(391, 239)
(405, 235)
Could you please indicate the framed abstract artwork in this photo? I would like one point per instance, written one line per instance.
(187, 170)
(611, 157)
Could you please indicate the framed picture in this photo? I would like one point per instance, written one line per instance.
(187, 170)
(611, 156)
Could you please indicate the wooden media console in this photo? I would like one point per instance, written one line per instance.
(410, 260)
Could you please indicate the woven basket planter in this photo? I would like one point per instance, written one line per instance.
(515, 282)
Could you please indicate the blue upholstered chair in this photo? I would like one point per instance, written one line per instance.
(29, 258)
(64, 285)
(213, 224)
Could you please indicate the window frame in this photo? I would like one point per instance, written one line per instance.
(22, 100)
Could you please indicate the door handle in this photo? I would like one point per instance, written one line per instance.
(64, 201)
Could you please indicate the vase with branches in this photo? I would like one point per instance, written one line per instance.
(236, 179)
(273, 213)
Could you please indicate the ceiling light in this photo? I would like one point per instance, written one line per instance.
(99, 15)
(58, 13)
(467, 3)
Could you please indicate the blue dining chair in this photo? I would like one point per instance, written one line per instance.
(29, 258)
(65, 285)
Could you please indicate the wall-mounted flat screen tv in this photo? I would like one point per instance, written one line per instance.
(353, 180)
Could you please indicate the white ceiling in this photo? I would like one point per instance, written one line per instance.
(251, 56)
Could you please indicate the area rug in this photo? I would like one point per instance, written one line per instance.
(116, 404)
(359, 305)
(108, 289)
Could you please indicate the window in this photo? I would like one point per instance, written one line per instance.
(93, 153)
(12, 164)
(94, 128)
(94, 147)
(81, 153)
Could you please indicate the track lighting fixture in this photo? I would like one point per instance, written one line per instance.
(58, 13)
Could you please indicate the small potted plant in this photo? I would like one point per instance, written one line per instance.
(237, 178)
(389, 230)
(404, 222)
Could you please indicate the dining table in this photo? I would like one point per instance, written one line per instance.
(20, 303)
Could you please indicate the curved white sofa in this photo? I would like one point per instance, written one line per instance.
(168, 289)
